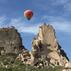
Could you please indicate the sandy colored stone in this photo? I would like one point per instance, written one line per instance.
(46, 50)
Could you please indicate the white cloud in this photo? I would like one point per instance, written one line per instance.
(62, 27)
(22, 27)
(52, 18)
(3, 21)
(19, 24)
(62, 7)
(64, 4)
(59, 24)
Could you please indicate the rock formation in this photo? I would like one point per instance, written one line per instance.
(46, 50)
(10, 45)
(10, 41)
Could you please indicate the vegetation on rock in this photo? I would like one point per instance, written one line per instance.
(19, 66)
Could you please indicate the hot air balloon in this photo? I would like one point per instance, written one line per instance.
(28, 14)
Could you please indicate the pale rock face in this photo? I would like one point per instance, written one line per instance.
(46, 50)
(54, 55)
(25, 57)
(2, 52)
(47, 36)
(67, 67)
(45, 46)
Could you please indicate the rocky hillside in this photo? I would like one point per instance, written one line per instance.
(10, 41)
(46, 50)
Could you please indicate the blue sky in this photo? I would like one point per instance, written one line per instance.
(54, 12)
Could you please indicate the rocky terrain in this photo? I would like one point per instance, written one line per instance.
(46, 50)
(10, 42)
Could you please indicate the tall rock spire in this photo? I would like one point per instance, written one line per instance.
(46, 50)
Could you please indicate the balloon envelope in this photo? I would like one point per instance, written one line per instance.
(28, 14)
